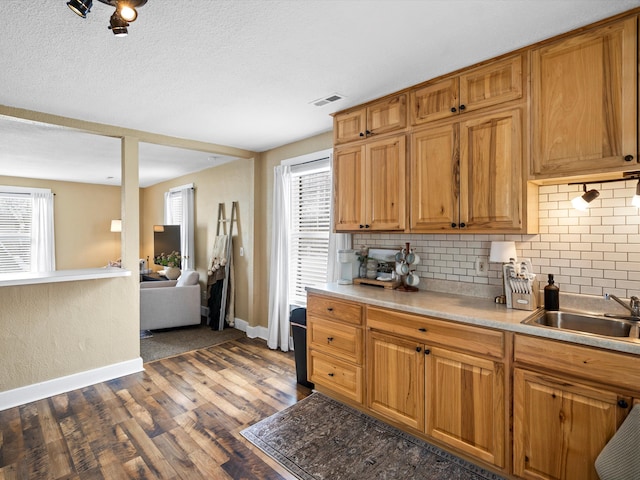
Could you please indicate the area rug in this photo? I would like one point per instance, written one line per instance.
(174, 341)
(319, 438)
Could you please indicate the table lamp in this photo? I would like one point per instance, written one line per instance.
(502, 252)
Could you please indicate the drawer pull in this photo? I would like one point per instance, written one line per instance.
(422, 329)
(329, 339)
(330, 309)
(331, 374)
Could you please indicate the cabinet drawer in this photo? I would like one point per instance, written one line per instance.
(337, 375)
(332, 309)
(344, 341)
(429, 330)
(604, 366)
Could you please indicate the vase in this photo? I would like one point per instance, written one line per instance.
(172, 273)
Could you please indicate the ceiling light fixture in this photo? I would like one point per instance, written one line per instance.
(581, 202)
(80, 7)
(125, 12)
(118, 25)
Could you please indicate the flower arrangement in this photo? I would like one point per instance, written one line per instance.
(171, 260)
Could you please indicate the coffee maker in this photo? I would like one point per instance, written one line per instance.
(349, 266)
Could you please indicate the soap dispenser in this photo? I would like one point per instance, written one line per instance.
(551, 295)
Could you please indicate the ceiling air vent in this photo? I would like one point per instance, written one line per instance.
(334, 97)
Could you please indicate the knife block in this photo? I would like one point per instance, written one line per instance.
(524, 301)
(519, 301)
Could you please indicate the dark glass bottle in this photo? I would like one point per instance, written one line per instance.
(551, 295)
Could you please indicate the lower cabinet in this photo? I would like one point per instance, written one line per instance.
(456, 398)
(560, 426)
(396, 378)
(465, 403)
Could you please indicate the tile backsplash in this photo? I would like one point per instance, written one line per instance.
(590, 253)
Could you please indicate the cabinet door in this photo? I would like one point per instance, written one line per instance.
(492, 84)
(396, 379)
(560, 427)
(491, 179)
(584, 102)
(348, 171)
(387, 115)
(385, 167)
(465, 405)
(350, 126)
(433, 182)
(434, 101)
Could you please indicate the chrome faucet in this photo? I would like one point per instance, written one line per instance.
(633, 306)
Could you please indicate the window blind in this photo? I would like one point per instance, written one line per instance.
(16, 212)
(175, 206)
(310, 226)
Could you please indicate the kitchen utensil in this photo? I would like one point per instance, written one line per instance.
(402, 268)
(413, 279)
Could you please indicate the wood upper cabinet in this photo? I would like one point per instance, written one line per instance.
(560, 426)
(369, 184)
(396, 378)
(584, 103)
(485, 86)
(383, 116)
(465, 405)
(469, 175)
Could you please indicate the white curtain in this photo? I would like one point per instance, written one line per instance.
(278, 334)
(43, 243)
(187, 231)
(184, 218)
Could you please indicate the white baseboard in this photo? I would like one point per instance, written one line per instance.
(252, 332)
(38, 391)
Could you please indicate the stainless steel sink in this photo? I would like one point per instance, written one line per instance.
(585, 323)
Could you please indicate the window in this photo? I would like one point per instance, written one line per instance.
(26, 230)
(310, 225)
(179, 210)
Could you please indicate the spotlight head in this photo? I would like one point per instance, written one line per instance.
(127, 12)
(582, 202)
(635, 201)
(80, 7)
(118, 25)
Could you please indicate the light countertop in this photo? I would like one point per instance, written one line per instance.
(469, 310)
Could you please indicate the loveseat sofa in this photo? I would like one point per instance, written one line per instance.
(171, 303)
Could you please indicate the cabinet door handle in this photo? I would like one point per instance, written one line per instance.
(329, 339)
(368, 132)
(331, 374)
(462, 107)
(361, 226)
(427, 351)
(453, 110)
(366, 226)
(422, 329)
(418, 349)
(623, 404)
(628, 158)
(361, 134)
(462, 225)
(454, 225)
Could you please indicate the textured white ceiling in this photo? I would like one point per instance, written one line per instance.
(243, 72)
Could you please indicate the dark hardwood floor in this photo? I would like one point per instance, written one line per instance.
(179, 419)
